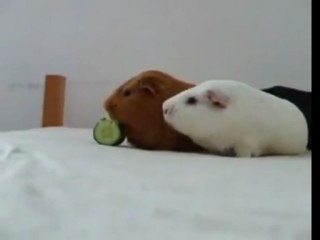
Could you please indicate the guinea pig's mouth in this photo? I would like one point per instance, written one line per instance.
(170, 126)
(111, 116)
(168, 123)
(121, 124)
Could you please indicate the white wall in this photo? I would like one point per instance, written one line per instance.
(98, 44)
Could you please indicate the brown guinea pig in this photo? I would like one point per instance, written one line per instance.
(137, 106)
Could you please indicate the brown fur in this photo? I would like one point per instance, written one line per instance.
(140, 112)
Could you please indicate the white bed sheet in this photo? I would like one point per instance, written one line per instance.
(57, 183)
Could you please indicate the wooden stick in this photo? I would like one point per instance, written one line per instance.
(54, 99)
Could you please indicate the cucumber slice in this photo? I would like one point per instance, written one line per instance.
(108, 132)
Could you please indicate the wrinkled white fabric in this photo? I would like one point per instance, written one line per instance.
(57, 183)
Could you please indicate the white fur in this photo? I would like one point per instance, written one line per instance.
(254, 123)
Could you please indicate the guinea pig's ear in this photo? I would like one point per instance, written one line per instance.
(151, 84)
(217, 98)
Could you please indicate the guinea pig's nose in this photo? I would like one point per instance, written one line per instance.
(110, 105)
(168, 110)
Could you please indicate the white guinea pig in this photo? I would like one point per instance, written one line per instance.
(226, 116)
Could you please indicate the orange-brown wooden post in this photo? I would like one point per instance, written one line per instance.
(54, 99)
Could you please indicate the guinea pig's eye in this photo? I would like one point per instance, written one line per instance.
(126, 93)
(191, 101)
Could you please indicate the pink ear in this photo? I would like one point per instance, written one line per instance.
(217, 98)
